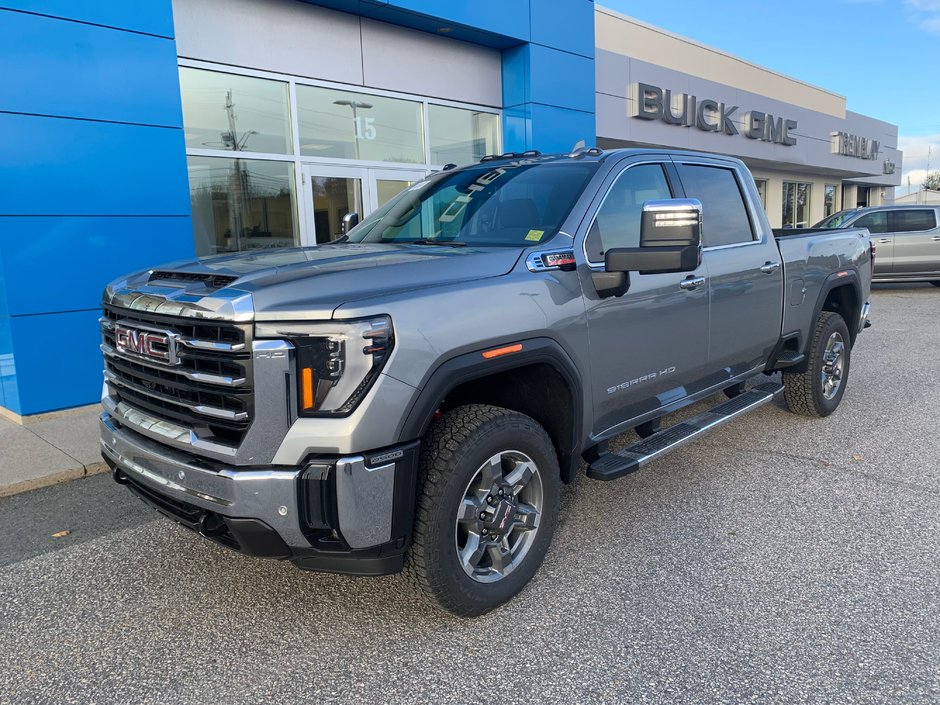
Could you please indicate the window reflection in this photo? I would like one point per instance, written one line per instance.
(346, 125)
(461, 136)
(241, 204)
(234, 113)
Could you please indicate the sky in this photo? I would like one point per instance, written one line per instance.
(882, 55)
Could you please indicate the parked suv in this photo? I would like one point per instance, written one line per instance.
(415, 394)
(907, 239)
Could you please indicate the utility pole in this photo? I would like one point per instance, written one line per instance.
(238, 191)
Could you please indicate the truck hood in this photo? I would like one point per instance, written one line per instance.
(311, 282)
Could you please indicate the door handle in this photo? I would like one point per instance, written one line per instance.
(936, 238)
(884, 240)
(691, 283)
(770, 267)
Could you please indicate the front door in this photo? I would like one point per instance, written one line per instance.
(649, 347)
(333, 191)
(877, 224)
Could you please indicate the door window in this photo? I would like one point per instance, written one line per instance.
(724, 216)
(877, 222)
(617, 223)
(913, 221)
(333, 198)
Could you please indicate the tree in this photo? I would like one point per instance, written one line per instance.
(932, 181)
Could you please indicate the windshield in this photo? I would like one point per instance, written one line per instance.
(836, 220)
(513, 204)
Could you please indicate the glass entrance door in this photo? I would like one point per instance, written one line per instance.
(333, 191)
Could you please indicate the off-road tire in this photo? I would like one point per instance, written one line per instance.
(452, 452)
(803, 391)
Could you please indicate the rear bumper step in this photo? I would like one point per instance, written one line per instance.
(615, 465)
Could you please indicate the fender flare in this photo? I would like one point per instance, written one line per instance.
(472, 365)
(835, 281)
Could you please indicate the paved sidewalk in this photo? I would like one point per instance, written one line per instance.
(46, 452)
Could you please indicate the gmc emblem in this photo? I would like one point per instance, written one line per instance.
(151, 344)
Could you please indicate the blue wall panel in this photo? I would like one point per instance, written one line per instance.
(555, 129)
(508, 19)
(57, 166)
(564, 24)
(149, 16)
(76, 70)
(48, 376)
(8, 390)
(103, 248)
(93, 181)
(560, 79)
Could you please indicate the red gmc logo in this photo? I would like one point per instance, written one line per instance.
(145, 343)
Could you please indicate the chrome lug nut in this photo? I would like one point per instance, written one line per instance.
(484, 531)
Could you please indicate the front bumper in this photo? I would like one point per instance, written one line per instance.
(350, 514)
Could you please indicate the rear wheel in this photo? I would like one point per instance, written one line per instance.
(487, 508)
(818, 390)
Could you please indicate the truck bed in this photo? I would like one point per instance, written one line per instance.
(810, 256)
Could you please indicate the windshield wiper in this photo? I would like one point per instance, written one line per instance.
(439, 243)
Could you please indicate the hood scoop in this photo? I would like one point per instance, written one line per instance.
(207, 279)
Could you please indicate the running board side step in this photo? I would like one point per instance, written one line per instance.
(623, 462)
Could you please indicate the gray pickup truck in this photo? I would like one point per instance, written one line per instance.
(414, 394)
(907, 238)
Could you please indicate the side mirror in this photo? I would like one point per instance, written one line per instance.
(670, 240)
(350, 221)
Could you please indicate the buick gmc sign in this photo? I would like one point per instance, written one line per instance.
(655, 103)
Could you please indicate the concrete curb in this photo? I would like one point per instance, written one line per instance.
(54, 478)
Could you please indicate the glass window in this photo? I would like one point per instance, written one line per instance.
(513, 206)
(762, 191)
(241, 204)
(796, 203)
(617, 223)
(829, 200)
(913, 221)
(346, 125)
(461, 136)
(724, 216)
(876, 222)
(236, 113)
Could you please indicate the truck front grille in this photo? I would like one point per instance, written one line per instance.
(208, 389)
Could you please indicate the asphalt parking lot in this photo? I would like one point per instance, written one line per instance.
(781, 560)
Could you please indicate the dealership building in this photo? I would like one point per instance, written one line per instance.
(138, 133)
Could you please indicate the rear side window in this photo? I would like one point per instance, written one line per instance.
(724, 216)
(877, 222)
(617, 223)
(913, 221)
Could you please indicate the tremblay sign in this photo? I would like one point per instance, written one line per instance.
(654, 103)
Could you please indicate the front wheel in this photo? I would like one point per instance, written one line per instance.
(487, 508)
(818, 390)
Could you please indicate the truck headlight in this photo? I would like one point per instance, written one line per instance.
(336, 361)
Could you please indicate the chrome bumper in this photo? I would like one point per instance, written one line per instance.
(270, 496)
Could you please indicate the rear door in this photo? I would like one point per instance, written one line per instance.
(877, 224)
(745, 272)
(649, 347)
(916, 241)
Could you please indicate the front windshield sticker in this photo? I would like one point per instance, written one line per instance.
(535, 235)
